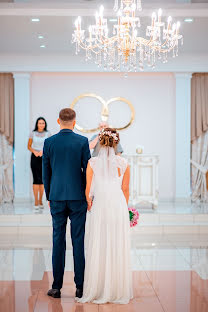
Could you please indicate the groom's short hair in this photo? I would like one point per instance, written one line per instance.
(67, 115)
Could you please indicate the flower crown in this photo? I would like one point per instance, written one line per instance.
(109, 133)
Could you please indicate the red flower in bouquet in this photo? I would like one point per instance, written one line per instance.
(133, 216)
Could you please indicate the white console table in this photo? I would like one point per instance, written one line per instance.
(144, 186)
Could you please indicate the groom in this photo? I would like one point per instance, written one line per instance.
(65, 158)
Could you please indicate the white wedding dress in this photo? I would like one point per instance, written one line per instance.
(108, 266)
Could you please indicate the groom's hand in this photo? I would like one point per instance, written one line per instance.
(89, 204)
(49, 204)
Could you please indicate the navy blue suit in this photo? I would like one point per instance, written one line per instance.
(65, 158)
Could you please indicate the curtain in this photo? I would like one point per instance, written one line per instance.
(7, 106)
(207, 179)
(199, 136)
(6, 170)
(6, 137)
(199, 105)
(200, 168)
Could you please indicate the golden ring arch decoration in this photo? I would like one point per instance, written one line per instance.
(105, 110)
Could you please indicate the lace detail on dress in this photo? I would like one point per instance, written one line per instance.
(42, 134)
(122, 164)
(38, 139)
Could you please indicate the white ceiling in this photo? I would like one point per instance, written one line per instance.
(19, 35)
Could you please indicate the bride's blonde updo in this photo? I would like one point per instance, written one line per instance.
(109, 137)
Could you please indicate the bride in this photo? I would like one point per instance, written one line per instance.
(108, 267)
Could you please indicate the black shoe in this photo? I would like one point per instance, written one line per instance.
(55, 293)
(79, 293)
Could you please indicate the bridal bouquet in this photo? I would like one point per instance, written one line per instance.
(133, 216)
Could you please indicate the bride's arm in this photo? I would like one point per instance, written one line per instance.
(89, 175)
(125, 183)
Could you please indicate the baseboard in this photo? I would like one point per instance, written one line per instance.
(19, 200)
(166, 200)
(175, 200)
(183, 200)
(30, 200)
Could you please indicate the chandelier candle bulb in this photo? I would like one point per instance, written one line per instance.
(79, 23)
(178, 27)
(101, 14)
(159, 15)
(153, 19)
(100, 20)
(133, 14)
(138, 23)
(97, 18)
(174, 28)
(119, 17)
(169, 22)
(76, 24)
(101, 10)
(133, 9)
(90, 32)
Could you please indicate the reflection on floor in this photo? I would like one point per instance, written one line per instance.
(170, 274)
(158, 291)
(169, 261)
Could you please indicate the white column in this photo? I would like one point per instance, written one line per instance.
(21, 134)
(183, 134)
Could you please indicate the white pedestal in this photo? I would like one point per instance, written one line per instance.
(144, 187)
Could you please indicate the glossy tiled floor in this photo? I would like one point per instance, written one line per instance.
(170, 270)
(156, 291)
(24, 208)
(170, 274)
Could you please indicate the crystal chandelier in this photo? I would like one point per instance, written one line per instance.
(126, 50)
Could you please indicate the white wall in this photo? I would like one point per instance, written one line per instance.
(153, 96)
